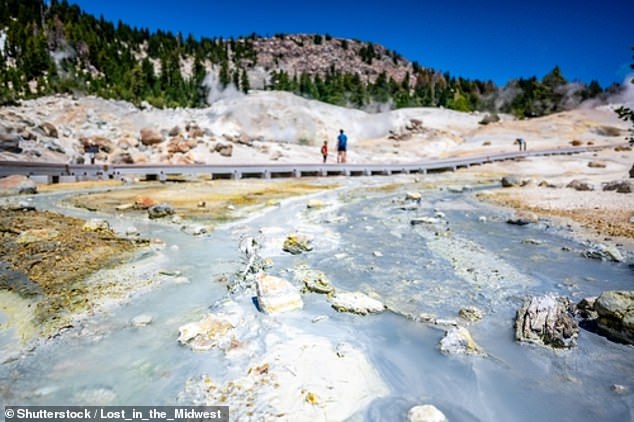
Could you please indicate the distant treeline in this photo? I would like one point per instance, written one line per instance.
(58, 48)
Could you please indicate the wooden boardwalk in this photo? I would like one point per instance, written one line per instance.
(56, 173)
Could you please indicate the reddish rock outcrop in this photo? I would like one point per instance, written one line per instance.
(150, 136)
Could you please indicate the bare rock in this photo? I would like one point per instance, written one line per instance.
(522, 218)
(619, 389)
(49, 129)
(10, 142)
(143, 202)
(470, 313)
(122, 157)
(580, 185)
(616, 314)
(100, 142)
(150, 136)
(142, 320)
(194, 131)
(176, 130)
(97, 225)
(297, 243)
(36, 235)
(458, 341)
(179, 144)
(625, 187)
(603, 252)
(315, 203)
(17, 185)
(413, 196)
(511, 181)
(356, 303)
(224, 149)
(160, 211)
(127, 143)
(276, 294)
(209, 332)
(547, 184)
(596, 164)
(547, 320)
(585, 308)
(425, 413)
(316, 281)
(424, 220)
(620, 186)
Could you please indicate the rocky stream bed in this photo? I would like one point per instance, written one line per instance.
(379, 299)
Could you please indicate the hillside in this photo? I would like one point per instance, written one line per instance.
(273, 127)
(55, 47)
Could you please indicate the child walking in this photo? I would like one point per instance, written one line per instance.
(324, 150)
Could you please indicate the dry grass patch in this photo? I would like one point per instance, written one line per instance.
(212, 201)
(598, 219)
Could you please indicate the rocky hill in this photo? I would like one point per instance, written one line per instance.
(298, 54)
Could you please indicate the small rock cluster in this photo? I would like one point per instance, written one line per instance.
(549, 320)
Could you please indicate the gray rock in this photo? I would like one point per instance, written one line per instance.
(195, 230)
(547, 184)
(315, 203)
(132, 231)
(356, 303)
(210, 332)
(625, 187)
(458, 189)
(96, 225)
(142, 320)
(160, 211)
(17, 185)
(470, 313)
(458, 341)
(21, 206)
(531, 242)
(10, 142)
(522, 218)
(316, 281)
(424, 220)
(547, 320)
(276, 294)
(176, 130)
(425, 413)
(603, 252)
(597, 164)
(49, 129)
(619, 389)
(585, 308)
(224, 149)
(616, 314)
(620, 186)
(510, 181)
(297, 243)
(580, 185)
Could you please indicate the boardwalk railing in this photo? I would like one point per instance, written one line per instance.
(55, 173)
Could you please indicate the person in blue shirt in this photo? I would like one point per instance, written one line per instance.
(342, 147)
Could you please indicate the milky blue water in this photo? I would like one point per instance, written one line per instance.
(366, 242)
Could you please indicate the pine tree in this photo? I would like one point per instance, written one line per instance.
(627, 114)
(244, 82)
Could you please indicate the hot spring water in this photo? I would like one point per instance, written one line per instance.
(362, 241)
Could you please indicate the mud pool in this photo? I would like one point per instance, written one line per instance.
(363, 239)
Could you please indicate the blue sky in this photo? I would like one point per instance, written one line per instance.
(481, 39)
